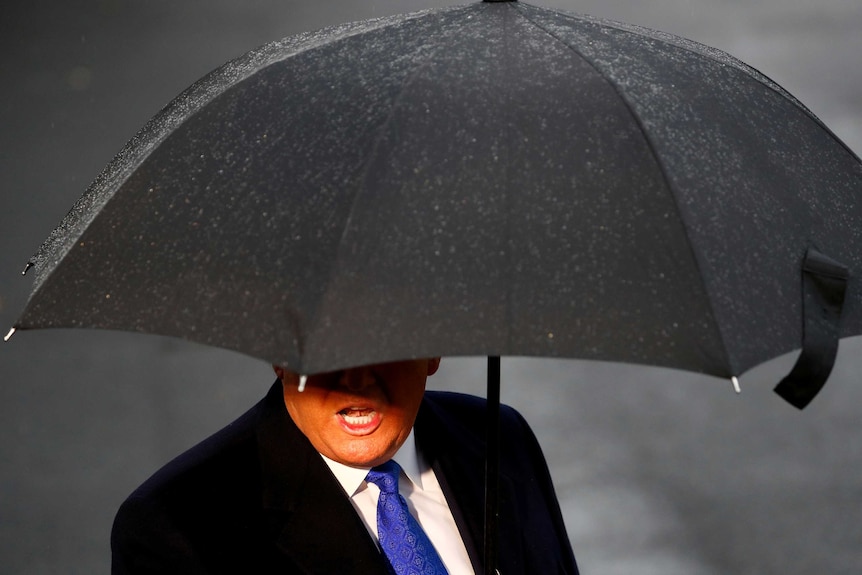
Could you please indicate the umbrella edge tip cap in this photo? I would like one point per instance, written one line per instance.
(735, 381)
(9, 335)
(302, 381)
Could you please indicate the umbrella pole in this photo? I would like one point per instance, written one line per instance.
(492, 465)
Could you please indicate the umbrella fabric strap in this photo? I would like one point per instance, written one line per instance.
(824, 283)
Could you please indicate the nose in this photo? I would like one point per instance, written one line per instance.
(356, 379)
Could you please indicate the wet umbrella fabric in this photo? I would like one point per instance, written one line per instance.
(494, 179)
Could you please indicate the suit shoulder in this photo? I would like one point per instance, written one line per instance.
(470, 410)
(454, 401)
(219, 456)
(207, 491)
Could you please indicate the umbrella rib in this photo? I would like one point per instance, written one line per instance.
(653, 151)
(408, 81)
(706, 51)
(723, 58)
(177, 112)
(381, 131)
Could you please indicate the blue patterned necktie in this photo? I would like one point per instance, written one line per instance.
(405, 544)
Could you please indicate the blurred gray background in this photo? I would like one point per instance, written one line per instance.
(658, 472)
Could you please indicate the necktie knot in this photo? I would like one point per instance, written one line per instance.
(385, 477)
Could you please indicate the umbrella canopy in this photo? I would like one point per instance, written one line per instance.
(493, 179)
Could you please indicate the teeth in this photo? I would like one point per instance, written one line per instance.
(364, 419)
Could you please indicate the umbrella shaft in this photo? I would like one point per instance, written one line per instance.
(492, 465)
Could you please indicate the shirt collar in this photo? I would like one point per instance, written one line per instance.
(352, 479)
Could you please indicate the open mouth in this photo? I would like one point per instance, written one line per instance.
(357, 416)
(359, 420)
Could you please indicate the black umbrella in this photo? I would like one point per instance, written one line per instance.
(493, 179)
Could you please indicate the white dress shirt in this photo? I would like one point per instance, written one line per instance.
(425, 499)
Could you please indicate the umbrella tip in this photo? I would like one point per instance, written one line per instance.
(302, 380)
(27, 268)
(735, 381)
(9, 335)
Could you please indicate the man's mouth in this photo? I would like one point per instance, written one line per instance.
(359, 420)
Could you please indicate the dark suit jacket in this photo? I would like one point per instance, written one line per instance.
(257, 498)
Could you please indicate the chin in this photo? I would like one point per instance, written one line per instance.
(361, 459)
(366, 451)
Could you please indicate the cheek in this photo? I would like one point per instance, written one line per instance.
(409, 398)
(306, 409)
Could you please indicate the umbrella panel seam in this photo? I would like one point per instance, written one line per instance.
(378, 138)
(173, 115)
(729, 364)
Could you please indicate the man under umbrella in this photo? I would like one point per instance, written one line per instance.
(308, 481)
(636, 197)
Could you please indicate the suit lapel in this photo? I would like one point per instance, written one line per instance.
(310, 518)
(459, 472)
(456, 452)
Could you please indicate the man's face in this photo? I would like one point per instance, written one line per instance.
(360, 416)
